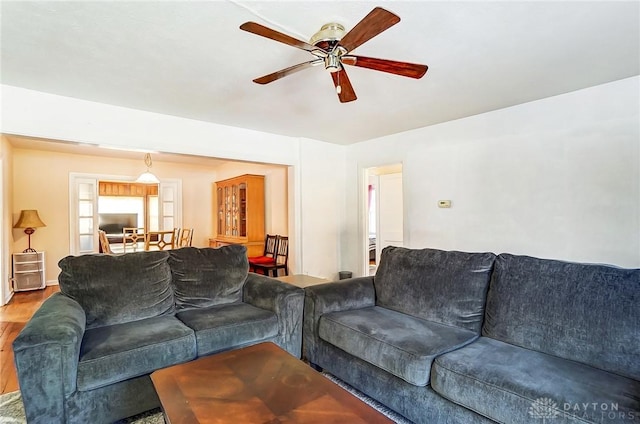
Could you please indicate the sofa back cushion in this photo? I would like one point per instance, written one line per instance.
(114, 289)
(586, 313)
(445, 287)
(206, 277)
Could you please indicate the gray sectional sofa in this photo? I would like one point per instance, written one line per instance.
(454, 337)
(86, 355)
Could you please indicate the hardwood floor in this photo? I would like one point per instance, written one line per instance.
(13, 317)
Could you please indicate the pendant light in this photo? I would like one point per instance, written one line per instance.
(147, 177)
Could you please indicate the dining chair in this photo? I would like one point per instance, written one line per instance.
(104, 243)
(185, 237)
(131, 236)
(159, 240)
(268, 254)
(279, 262)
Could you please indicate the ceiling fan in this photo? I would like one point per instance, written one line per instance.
(331, 47)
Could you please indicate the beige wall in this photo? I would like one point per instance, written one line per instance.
(28, 187)
(41, 181)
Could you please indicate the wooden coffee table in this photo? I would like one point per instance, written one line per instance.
(256, 384)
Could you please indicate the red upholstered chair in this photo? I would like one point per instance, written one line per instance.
(281, 259)
(270, 246)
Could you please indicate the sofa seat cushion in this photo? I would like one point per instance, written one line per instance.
(119, 352)
(400, 344)
(511, 384)
(223, 327)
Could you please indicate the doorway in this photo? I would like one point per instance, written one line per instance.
(85, 220)
(384, 224)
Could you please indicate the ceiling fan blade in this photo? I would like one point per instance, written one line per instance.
(411, 70)
(287, 71)
(345, 90)
(272, 34)
(377, 21)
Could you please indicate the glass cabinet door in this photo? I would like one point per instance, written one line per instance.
(242, 209)
(234, 210)
(220, 210)
(227, 211)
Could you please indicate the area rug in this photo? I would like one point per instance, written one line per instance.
(392, 415)
(12, 411)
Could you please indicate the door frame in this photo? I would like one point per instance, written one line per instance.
(73, 203)
(366, 172)
(5, 284)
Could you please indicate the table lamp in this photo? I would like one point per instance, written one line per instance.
(29, 220)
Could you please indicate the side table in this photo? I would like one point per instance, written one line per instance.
(301, 280)
(28, 271)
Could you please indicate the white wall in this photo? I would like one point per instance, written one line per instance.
(556, 178)
(37, 114)
(322, 180)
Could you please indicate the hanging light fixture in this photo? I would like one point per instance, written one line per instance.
(147, 177)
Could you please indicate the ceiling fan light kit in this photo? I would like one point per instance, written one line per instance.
(331, 47)
(329, 33)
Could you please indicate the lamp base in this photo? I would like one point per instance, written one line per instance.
(28, 232)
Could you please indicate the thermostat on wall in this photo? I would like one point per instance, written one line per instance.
(444, 203)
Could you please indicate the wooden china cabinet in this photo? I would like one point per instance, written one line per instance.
(239, 209)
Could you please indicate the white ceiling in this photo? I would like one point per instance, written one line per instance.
(189, 59)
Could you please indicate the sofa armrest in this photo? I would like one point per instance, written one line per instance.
(46, 354)
(286, 301)
(342, 295)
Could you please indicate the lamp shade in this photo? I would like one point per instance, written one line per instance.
(29, 219)
(147, 178)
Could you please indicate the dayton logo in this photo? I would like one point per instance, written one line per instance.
(544, 408)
